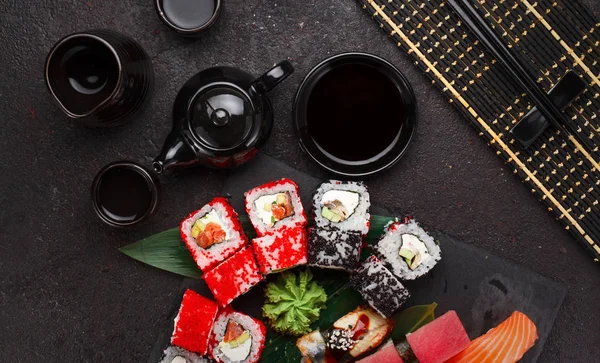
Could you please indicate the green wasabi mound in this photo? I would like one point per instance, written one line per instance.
(293, 302)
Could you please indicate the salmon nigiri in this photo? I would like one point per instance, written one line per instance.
(505, 343)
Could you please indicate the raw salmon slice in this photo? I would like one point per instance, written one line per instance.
(505, 343)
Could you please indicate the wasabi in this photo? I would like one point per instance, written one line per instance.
(293, 302)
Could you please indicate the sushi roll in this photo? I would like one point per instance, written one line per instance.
(312, 346)
(237, 337)
(352, 335)
(408, 250)
(275, 205)
(175, 354)
(379, 287)
(343, 205)
(213, 233)
(194, 322)
(281, 250)
(331, 248)
(358, 332)
(234, 277)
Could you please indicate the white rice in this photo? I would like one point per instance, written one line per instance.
(298, 219)
(389, 246)
(219, 251)
(173, 352)
(358, 221)
(249, 324)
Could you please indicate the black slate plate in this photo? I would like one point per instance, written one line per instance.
(482, 288)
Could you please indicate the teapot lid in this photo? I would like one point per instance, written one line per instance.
(221, 117)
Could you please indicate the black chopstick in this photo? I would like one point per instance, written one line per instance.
(486, 35)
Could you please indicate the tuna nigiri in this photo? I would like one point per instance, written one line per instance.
(505, 343)
(387, 354)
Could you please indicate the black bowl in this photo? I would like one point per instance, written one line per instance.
(404, 122)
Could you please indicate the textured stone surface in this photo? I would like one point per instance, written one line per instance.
(65, 290)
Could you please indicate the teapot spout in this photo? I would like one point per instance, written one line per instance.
(175, 153)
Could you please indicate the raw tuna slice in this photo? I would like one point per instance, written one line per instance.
(387, 354)
(505, 343)
(439, 340)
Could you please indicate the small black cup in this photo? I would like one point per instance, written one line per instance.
(355, 114)
(188, 17)
(124, 194)
(99, 77)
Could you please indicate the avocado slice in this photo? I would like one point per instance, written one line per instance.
(407, 254)
(330, 215)
(196, 231)
(239, 340)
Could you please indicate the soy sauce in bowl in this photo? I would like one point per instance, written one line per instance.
(355, 114)
(124, 194)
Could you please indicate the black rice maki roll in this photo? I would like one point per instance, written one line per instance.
(342, 205)
(341, 213)
(330, 248)
(408, 250)
(379, 287)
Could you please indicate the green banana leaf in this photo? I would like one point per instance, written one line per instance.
(411, 319)
(166, 250)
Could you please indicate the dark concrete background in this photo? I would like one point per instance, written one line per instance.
(66, 293)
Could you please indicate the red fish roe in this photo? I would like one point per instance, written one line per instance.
(234, 277)
(214, 253)
(194, 322)
(283, 249)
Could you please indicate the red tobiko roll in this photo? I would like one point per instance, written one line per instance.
(275, 205)
(237, 337)
(234, 277)
(281, 250)
(194, 322)
(213, 233)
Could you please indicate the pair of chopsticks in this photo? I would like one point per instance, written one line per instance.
(478, 25)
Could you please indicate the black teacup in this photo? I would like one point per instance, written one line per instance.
(355, 114)
(124, 193)
(188, 17)
(99, 77)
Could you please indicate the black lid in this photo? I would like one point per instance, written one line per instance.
(221, 117)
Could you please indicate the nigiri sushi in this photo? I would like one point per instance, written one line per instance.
(353, 335)
(387, 354)
(439, 340)
(505, 343)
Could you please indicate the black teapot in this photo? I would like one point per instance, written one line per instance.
(221, 117)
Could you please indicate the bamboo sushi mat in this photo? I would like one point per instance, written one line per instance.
(550, 37)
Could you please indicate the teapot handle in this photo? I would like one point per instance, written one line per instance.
(273, 77)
